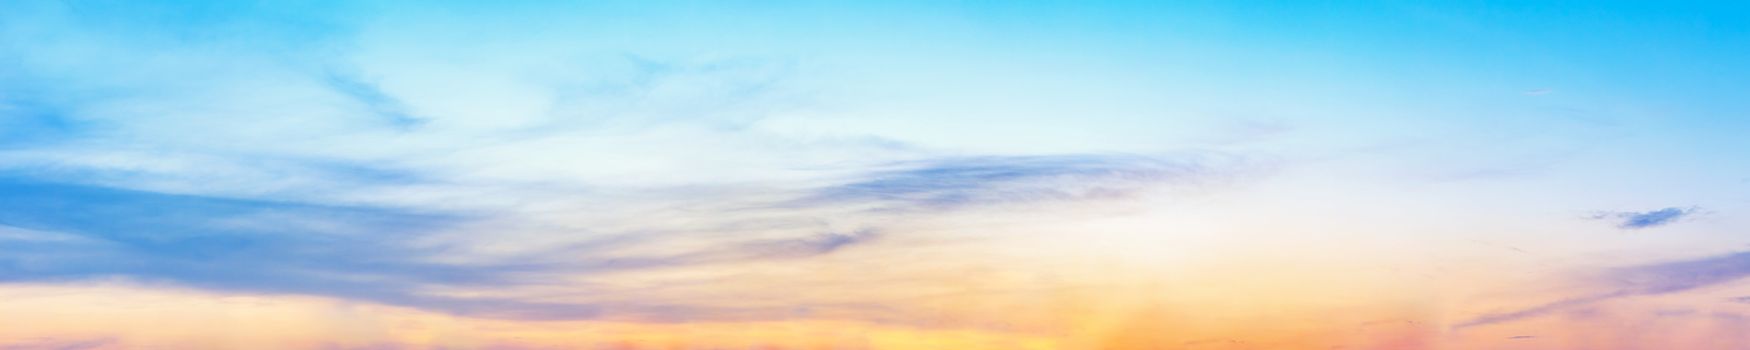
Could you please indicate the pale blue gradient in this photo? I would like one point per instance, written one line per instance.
(374, 151)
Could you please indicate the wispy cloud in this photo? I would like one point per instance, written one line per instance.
(1651, 279)
(59, 232)
(1539, 310)
(819, 244)
(61, 344)
(24, 122)
(374, 99)
(739, 251)
(1647, 219)
(336, 158)
(965, 182)
(236, 245)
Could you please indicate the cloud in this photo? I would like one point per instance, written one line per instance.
(1647, 219)
(1535, 311)
(59, 232)
(731, 252)
(240, 245)
(374, 99)
(1686, 275)
(966, 182)
(320, 150)
(816, 245)
(24, 122)
(1644, 280)
(60, 344)
(1538, 92)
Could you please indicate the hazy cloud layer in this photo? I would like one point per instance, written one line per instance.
(61, 231)
(61, 344)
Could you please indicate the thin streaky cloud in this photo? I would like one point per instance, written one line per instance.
(1644, 280)
(978, 181)
(1646, 219)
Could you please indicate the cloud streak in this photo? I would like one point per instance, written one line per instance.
(979, 181)
(238, 245)
(1644, 280)
(59, 232)
(60, 344)
(1646, 219)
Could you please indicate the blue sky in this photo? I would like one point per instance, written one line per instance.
(662, 162)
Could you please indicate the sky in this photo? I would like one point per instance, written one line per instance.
(1078, 175)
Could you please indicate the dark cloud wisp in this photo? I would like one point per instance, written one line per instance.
(1646, 219)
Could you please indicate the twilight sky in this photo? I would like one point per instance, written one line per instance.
(963, 175)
